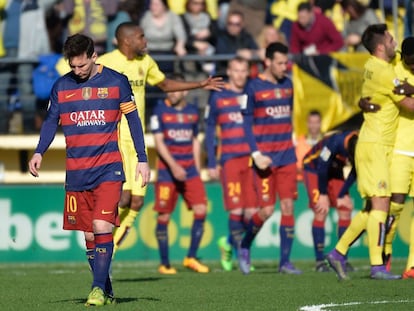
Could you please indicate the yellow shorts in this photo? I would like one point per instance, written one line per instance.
(373, 162)
(129, 159)
(402, 173)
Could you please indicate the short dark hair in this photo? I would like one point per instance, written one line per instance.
(407, 46)
(77, 45)
(305, 6)
(373, 36)
(315, 112)
(274, 47)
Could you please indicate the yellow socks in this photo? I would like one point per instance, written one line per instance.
(376, 235)
(392, 220)
(355, 229)
(127, 218)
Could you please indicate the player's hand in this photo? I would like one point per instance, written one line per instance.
(34, 164)
(367, 106)
(179, 172)
(404, 88)
(143, 169)
(213, 83)
(214, 173)
(345, 202)
(322, 206)
(261, 161)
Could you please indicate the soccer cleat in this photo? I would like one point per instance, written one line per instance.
(96, 298)
(109, 300)
(244, 260)
(322, 266)
(337, 263)
(409, 274)
(289, 268)
(226, 254)
(163, 269)
(381, 273)
(349, 267)
(195, 265)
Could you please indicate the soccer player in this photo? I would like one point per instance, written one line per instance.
(225, 122)
(327, 187)
(402, 157)
(268, 128)
(88, 103)
(374, 152)
(131, 59)
(175, 128)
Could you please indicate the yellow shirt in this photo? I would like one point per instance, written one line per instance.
(404, 142)
(378, 83)
(140, 71)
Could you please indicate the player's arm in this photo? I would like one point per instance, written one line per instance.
(47, 134)
(260, 160)
(137, 134)
(367, 106)
(210, 118)
(211, 83)
(177, 170)
(197, 153)
(404, 88)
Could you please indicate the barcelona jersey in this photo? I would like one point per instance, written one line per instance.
(89, 113)
(179, 127)
(269, 111)
(224, 113)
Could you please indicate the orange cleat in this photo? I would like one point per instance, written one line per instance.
(194, 264)
(166, 270)
(409, 274)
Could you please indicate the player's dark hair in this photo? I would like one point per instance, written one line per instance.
(123, 27)
(274, 47)
(373, 36)
(407, 46)
(77, 45)
(305, 6)
(315, 112)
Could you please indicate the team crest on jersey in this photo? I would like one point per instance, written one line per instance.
(102, 92)
(180, 118)
(382, 185)
(72, 219)
(86, 93)
(140, 71)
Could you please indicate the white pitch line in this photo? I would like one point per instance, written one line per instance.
(323, 307)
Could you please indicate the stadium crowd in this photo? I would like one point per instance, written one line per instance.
(248, 118)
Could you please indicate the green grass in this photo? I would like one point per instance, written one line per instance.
(138, 286)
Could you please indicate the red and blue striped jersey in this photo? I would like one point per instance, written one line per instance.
(179, 127)
(88, 113)
(223, 114)
(328, 158)
(269, 113)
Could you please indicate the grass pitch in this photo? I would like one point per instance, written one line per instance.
(138, 287)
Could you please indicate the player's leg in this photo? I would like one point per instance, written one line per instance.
(310, 180)
(409, 269)
(195, 196)
(105, 215)
(165, 200)
(401, 184)
(286, 186)
(132, 197)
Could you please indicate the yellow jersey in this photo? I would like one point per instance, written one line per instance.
(378, 83)
(140, 71)
(404, 142)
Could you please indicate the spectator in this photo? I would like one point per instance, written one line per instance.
(200, 29)
(255, 10)
(164, 31)
(360, 17)
(314, 33)
(89, 17)
(269, 34)
(235, 40)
